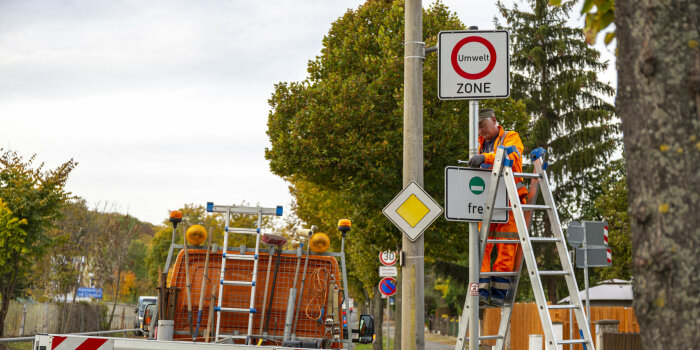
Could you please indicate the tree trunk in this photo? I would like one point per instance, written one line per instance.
(378, 313)
(658, 98)
(75, 294)
(8, 292)
(116, 297)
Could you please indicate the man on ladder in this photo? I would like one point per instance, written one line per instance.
(492, 135)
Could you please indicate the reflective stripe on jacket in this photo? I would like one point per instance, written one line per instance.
(507, 138)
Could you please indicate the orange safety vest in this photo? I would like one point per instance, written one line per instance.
(508, 138)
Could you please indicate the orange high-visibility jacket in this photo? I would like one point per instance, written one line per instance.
(507, 138)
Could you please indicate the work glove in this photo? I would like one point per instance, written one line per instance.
(476, 161)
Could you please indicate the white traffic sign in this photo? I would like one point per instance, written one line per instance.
(388, 257)
(412, 211)
(465, 195)
(473, 64)
(388, 271)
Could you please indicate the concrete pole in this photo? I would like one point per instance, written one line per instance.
(412, 278)
(474, 251)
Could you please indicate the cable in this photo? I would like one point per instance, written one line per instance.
(319, 286)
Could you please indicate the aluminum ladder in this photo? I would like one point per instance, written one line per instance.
(502, 169)
(228, 210)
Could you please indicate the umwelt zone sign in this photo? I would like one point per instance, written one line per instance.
(473, 64)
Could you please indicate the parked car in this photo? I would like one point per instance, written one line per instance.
(143, 302)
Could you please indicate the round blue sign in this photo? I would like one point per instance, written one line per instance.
(387, 286)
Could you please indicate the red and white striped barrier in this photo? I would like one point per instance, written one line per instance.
(80, 343)
(605, 238)
(605, 234)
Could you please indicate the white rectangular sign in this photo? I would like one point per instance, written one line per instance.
(473, 64)
(388, 271)
(465, 195)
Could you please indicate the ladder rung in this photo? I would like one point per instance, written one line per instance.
(238, 283)
(497, 274)
(240, 256)
(528, 175)
(544, 239)
(573, 341)
(562, 306)
(554, 273)
(490, 337)
(510, 241)
(490, 307)
(526, 207)
(245, 231)
(235, 309)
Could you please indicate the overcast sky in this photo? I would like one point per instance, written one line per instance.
(161, 102)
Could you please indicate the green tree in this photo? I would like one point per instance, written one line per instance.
(556, 74)
(12, 237)
(35, 195)
(337, 135)
(612, 207)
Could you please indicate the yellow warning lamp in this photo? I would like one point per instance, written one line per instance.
(344, 225)
(319, 242)
(196, 235)
(175, 217)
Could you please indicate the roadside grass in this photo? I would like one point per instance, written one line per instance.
(359, 346)
(18, 345)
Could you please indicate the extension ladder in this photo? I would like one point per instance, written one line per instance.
(522, 213)
(228, 210)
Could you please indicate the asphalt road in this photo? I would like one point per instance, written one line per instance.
(431, 345)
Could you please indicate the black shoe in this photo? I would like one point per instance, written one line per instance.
(483, 301)
(496, 302)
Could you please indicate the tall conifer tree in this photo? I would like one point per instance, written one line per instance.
(555, 73)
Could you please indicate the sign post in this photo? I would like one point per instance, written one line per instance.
(590, 241)
(473, 65)
(388, 260)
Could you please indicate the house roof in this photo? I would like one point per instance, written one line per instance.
(607, 290)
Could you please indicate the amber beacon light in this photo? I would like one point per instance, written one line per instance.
(344, 225)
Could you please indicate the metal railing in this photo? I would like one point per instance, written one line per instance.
(9, 340)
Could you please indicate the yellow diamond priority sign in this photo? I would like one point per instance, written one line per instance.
(412, 211)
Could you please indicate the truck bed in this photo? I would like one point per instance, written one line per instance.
(313, 301)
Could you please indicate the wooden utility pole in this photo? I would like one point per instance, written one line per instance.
(412, 279)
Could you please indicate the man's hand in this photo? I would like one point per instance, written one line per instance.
(476, 161)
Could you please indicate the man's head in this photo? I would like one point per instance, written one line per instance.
(488, 126)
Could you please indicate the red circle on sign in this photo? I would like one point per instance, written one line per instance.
(387, 262)
(473, 76)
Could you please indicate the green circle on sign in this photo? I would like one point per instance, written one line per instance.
(477, 185)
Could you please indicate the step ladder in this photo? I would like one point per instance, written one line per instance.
(522, 213)
(219, 309)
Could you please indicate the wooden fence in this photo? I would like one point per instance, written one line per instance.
(622, 341)
(525, 320)
(33, 318)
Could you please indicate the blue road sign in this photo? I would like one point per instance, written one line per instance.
(85, 292)
(387, 286)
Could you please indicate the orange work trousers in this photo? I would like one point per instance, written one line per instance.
(505, 261)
